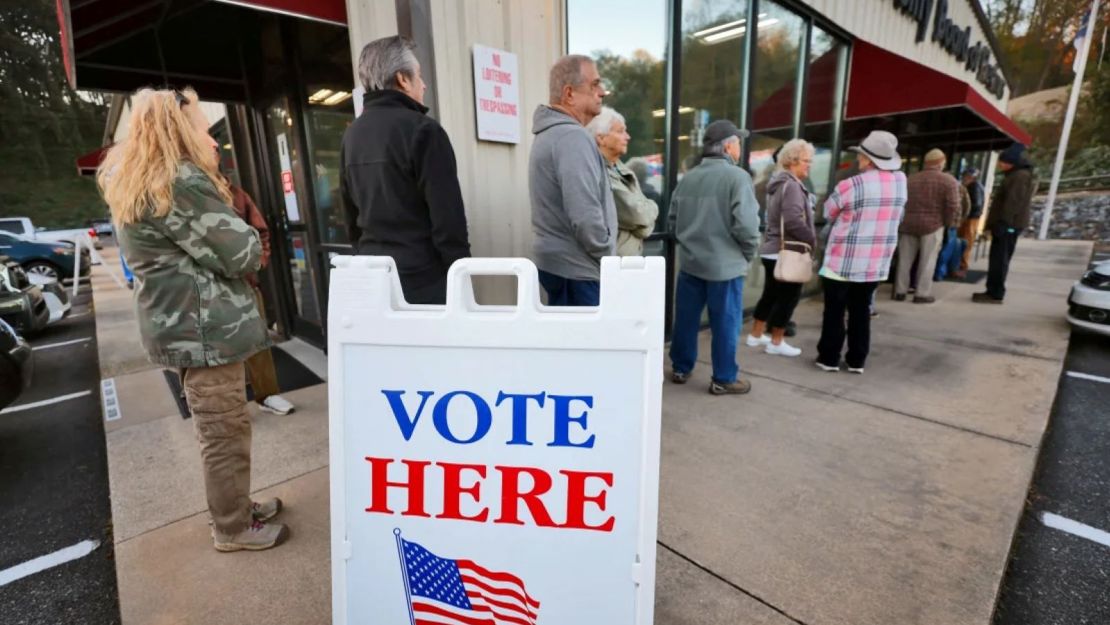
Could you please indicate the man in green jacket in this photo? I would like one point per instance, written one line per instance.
(1007, 217)
(715, 219)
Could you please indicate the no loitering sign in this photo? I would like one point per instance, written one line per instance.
(494, 464)
(496, 95)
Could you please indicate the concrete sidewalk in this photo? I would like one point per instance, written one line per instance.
(819, 498)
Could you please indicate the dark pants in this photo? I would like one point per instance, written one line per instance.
(855, 299)
(779, 299)
(566, 292)
(424, 293)
(1003, 243)
(725, 300)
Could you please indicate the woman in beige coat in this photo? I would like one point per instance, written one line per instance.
(635, 213)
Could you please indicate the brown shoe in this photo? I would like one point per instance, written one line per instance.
(923, 300)
(899, 297)
(739, 387)
(256, 537)
(985, 298)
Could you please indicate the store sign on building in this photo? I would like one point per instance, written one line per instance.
(496, 95)
(956, 40)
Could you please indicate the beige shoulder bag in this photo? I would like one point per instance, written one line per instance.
(792, 266)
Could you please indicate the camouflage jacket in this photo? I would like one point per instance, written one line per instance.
(194, 307)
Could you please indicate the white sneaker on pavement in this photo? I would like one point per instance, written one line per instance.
(752, 341)
(782, 349)
(277, 405)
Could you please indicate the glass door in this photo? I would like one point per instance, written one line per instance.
(287, 174)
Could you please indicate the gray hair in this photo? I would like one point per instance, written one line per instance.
(794, 151)
(603, 123)
(718, 148)
(382, 59)
(566, 72)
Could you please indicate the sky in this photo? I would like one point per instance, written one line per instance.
(620, 26)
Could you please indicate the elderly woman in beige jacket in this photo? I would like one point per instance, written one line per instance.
(635, 213)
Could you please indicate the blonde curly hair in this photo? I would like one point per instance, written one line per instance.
(167, 128)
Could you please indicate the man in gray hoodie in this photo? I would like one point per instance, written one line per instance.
(715, 219)
(573, 214)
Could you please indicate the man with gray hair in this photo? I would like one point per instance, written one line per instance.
(715, 219)
(398, 177)
(573, 214)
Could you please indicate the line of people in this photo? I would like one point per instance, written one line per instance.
(193, 242)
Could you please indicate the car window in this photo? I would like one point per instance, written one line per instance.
(11, 226)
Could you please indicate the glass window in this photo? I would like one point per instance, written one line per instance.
(824, 93)
(628, 41)
(712, 74)
(775, 83)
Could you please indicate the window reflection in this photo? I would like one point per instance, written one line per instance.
(827, 55)
(627, 40)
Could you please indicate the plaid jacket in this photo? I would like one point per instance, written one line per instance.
(865, 211)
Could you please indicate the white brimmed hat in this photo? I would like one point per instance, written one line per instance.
(882, 148)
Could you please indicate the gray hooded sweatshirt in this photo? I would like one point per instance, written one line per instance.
(573, 214)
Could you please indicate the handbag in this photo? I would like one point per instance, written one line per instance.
(796, 267)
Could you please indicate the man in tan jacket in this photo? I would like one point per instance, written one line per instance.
(933, 203)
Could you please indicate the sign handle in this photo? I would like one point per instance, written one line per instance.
(404, 574)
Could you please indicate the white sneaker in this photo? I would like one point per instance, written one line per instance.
(277, 405)
(782, 349)
(752, 341)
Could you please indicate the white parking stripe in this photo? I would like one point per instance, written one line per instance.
(80, 314)
(1076, 528)
(49, 561)
(45, 402)
(62, 344)
(1087, 376)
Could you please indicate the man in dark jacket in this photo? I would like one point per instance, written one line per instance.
(399, 183)
(1007, 218)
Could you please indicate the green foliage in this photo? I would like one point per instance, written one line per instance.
(44, 124)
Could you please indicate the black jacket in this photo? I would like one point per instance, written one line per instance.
(400, 188)
(1011, 204)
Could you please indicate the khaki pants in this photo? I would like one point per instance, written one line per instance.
(260, 367)
(968, 230)
(218, 400)
(925, 250)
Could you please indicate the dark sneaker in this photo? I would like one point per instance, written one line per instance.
(266, 510)
(985, 298)
(738, 387)
(923, 300)
(899, 297)
(679, 378)
(256, 537)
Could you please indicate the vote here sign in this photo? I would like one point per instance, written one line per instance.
(494, 465)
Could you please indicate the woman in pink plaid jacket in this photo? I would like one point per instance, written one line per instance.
(865, 211)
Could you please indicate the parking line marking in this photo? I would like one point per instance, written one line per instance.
(1076, 528)
(1087, 376)
(45, 402)
(62, 344)
(49, 561)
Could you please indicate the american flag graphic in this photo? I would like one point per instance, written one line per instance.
(459, 592)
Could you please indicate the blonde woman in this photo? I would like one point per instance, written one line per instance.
(190, 253)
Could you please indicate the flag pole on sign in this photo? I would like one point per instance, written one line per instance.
(404, 574)
(1073, 101)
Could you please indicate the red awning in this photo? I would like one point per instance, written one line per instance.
(883, 84)
(87, 163)
(332, 11)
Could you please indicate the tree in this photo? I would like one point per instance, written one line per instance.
(44, 123)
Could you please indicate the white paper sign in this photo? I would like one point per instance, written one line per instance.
(494, 464)
(496, 95)
(292, 211)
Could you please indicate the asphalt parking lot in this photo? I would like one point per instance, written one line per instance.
(56, 558)
(1059, 571)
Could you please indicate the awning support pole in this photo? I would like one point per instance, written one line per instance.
(1069, 118)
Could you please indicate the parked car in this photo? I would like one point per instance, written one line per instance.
(16, 365)
(102, 226)
(1089, 301)
(47, 259)
(25, 228)
(23, 307)
(56, 296)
